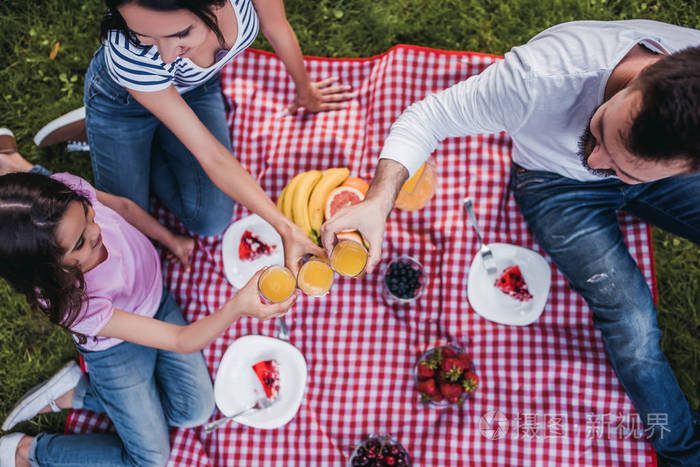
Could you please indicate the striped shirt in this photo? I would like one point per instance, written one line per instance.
(142, 69)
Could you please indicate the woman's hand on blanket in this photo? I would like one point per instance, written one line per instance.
(369, 218)
(248, 301)
(321, 96)
(180, 247)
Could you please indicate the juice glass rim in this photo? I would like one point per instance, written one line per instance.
(319, 260)
(346, 240)
(267, 271)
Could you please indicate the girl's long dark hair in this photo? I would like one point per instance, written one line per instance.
(31, 206)
(201, 8)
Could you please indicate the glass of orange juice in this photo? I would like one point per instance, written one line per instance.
(418, 190)
(276, 284)
(315, 277)
(349, 257)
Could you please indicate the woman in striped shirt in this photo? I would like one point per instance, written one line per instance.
(155, 114)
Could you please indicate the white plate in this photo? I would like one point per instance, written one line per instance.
(239, 272)
(489, 302)
(236, 385)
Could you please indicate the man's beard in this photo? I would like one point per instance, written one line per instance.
(586, 144)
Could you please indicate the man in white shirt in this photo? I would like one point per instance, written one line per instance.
(603, 116)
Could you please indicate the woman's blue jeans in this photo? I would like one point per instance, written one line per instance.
(134, 154)
(576, 224)
(143, 391)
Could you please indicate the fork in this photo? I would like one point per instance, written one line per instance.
(282, 329)
(259, 404)
(484, 251)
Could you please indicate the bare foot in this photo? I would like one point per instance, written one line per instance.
(63, 402)
(13, 162)
(22, 453)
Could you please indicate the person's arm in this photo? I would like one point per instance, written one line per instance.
(180, 245)
(369, 216)
(492, 101)
(193, 337)
(314, 97)
(223, 168)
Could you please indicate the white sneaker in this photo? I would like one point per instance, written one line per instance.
(44, 394)
(8, 449)
(68, 128)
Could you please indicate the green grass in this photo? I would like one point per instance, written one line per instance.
(36, 89)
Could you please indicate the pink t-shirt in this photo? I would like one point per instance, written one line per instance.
(129, 279)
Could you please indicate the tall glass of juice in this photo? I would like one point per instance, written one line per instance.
(276, 284)
(315, 277)
(349, 258)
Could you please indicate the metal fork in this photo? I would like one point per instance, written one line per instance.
(282, 329)
(261, 403)
(484, 251)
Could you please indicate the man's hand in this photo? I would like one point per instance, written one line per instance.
(369, 216)
(248, 301)
(366, 217)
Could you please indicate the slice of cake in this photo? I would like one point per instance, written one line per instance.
(268, 372)
(511, 283)
(251, 247)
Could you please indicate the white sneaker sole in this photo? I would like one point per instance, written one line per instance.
(64, 120)
(36, 392)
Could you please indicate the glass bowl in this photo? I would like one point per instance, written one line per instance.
(392, 285)
(379, 450)
(435, 358)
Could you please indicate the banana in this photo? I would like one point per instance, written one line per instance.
(289, 196)
(330, 179)
(280, 199)
(300, 201)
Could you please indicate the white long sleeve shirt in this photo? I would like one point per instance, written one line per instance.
(542, 93)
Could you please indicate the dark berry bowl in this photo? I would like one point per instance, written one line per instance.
(403, 280)
(379, 450)
(445, 377)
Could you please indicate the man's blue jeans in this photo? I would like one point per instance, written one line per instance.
(576, 224)
(134, 154)
(143, 391)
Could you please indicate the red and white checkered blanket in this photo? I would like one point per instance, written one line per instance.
(548, 395)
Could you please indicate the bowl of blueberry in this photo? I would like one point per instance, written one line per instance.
(403, 280)
(379, 450)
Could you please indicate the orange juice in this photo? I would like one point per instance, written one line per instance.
(276, 284)
(349, 258)
(419, 189)
(315, 277)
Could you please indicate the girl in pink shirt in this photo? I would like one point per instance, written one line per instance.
(82, 257)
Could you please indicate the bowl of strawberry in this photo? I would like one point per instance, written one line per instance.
(445, 376)
(379, 450)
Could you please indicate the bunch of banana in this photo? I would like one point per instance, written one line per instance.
(304, 198)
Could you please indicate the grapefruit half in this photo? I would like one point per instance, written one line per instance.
(357, 182)
(341, 197)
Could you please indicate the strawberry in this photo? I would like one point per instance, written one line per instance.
(470, 382)
(466, 361)
(424, 371)
(450, 390)
(454, 399)
(452, 369)
(428, 387)
(434, 360)
(448, 352)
